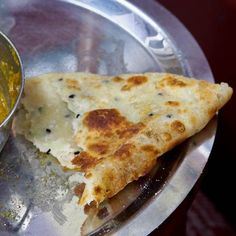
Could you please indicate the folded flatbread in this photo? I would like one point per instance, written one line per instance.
(113, 128)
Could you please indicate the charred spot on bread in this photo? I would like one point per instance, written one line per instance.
(172, 81)
(97, 190)
(134, 81)
(130, 130)
(102, 119)
(84, 161)
(172, 103)
(109, 122)
(99, 148)
(178, 126)
(151, 149)
(124, 151)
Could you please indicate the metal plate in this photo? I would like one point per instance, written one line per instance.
(106, 37)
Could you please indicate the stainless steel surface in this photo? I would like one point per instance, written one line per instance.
(11, 84)
(107, 37)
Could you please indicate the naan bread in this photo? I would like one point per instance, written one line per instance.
(118, 126)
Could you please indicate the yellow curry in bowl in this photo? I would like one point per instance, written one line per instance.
(9, 89)
(11, 85)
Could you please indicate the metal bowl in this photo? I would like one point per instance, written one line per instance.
(11, 85)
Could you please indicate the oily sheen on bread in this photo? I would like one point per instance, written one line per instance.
(113, 128)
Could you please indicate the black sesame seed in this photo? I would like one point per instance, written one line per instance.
(60, 79)
(150, 114)
(67, 115)
(48, 131)
(48, 151)
(160, 94)
(71, 96)
(77, 152)
(78, 115)
(40, 109)
(169, 116)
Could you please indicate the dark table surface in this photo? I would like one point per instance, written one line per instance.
(213, 24)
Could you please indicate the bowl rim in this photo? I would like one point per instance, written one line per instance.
(10, 114)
